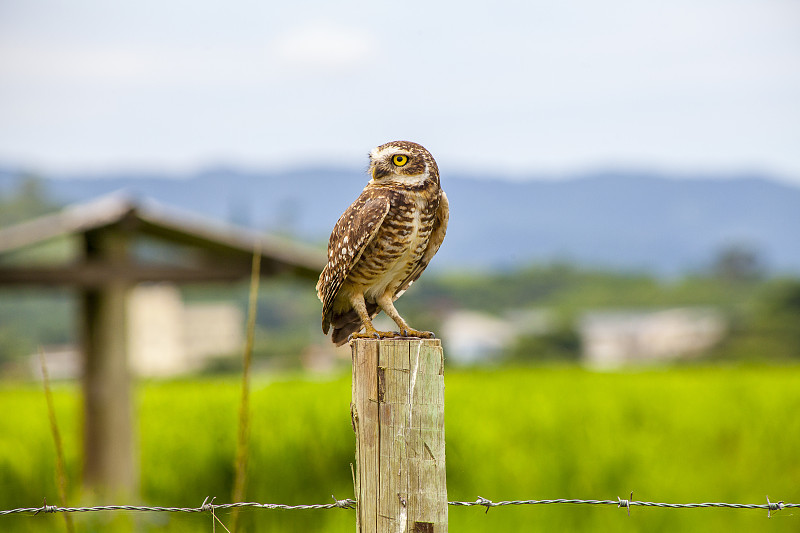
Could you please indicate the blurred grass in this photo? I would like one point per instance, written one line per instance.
(682, 435)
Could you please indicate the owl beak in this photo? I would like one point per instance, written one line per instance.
(379, 171)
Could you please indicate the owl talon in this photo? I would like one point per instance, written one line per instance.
(374, 334)
(418, 334)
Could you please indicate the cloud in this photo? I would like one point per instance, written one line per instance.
(324, 48)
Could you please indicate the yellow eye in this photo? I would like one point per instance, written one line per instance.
(400, 160)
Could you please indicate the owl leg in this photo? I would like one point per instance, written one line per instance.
(357, 300)
(385, 302)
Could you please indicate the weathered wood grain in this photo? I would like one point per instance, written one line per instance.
(398, 417)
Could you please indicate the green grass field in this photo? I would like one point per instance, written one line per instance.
(682, 435)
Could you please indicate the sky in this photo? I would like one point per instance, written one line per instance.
(490, 88)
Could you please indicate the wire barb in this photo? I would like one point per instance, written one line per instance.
(773, 507)
(343, 504)
(207, 505)
(625, 503)
(46, 508)
(486, 503)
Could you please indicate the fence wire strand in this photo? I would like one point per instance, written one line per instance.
(770, 507)
(626, 504)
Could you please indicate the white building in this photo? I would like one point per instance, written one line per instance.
(614, 338)
(166, 337)
(477, 337)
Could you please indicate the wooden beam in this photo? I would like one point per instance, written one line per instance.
(398, 416)
(121, 214)
(97, 274)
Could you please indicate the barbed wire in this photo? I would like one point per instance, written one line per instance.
(770, 507)
(206, 506)
(209, 506)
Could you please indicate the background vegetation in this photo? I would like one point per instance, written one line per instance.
(763, 311)
(687, 435)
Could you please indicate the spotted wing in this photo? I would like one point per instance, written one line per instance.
(354, 230)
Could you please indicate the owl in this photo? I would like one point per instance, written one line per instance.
(383, 242)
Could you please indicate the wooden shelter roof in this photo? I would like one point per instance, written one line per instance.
(220, 251)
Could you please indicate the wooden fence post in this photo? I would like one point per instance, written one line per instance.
(398, 416)
(109, 444)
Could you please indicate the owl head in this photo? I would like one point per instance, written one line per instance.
(403, 163)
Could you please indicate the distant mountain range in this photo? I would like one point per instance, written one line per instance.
(631, 221)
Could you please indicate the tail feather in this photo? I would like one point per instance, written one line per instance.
(340, 335)
(347, 323)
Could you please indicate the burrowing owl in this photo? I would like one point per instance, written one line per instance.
(383, 242)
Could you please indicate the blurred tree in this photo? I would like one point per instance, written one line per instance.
(560, 344)
(29, 199)
(26, 319)
(738, 262)
(771, 331)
